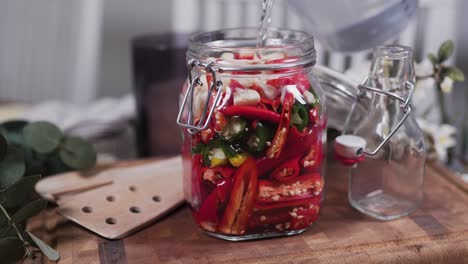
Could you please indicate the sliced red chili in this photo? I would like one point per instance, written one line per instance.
(233, 84)
(303, 187)
(274, 104)
(305, 216)
(219, 121)
(251, 112)
(297, 144)
(242, 199)
(247, 56)
(313, 159)
(215, 174)
(287, 217)
(279, 140)
(210, 211)
(314, 115)
(301, 81)
(286, 171)
(208, 134)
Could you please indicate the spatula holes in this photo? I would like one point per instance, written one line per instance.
(156, 198)
(134, 209)
(110, 198)
(132, 188)
(87, 209)
(111, 221)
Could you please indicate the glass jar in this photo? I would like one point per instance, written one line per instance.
(254, 130)
(388, 182)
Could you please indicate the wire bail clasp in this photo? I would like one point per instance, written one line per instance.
(407, 108)
(193, 82)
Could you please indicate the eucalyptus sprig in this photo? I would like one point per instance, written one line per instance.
(443, 75)
(37, 148)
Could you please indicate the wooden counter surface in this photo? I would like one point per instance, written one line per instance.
(436, 233)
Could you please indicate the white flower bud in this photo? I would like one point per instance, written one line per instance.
(447, 85)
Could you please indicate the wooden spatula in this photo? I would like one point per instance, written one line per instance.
(116, 201)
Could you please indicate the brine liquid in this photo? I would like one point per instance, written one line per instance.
(265, 19)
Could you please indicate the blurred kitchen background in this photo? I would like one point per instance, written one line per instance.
(80, 51)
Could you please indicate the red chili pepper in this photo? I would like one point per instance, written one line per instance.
(219, 121)
(274, 104)
(290, 216)
(233, 84)
(259, 90)
(313, 159)
(303, 187)
(301, 81)
(208, 134)
(286, 171)
(215, 174)
(314, 115)
(297, 144)
(242, 199)
(251, 112)
(209, 213)
(249, 56)
(279, 140)
(305, 216)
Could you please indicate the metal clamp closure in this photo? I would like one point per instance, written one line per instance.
(407, 108)
(193, 82)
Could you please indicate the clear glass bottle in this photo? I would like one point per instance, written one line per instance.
(388, 184)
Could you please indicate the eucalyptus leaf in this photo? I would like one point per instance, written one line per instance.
(455, 73)
(19, 193)
(30, 210)
(432, 58)
(43, 137)
(13, 131)
(445, 50)
(55, 165)
(3, 147)
(51, 253)
(12, 167)
(77, 153)
(11, 250)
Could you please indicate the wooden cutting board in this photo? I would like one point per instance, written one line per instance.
(436, 233)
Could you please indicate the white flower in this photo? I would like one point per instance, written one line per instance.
(447, 85)
(424, 68)
(442, 137)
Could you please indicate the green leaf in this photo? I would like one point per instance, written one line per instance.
(77, 153)
(19, 193)
(432, 58)
(445, 50)
(30, 210)
(43, 137)
(455, 73)
(13, 131)
(12, 167)
(51, 253)
(11, 250)
(3, 147)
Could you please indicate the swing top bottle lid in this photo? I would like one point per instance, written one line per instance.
(349, 146)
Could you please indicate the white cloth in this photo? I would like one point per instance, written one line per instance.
(106, 122)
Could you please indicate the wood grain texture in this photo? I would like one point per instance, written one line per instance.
(137, 196)
(436, 233)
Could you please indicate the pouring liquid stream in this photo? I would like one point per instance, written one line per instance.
(265, 19)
